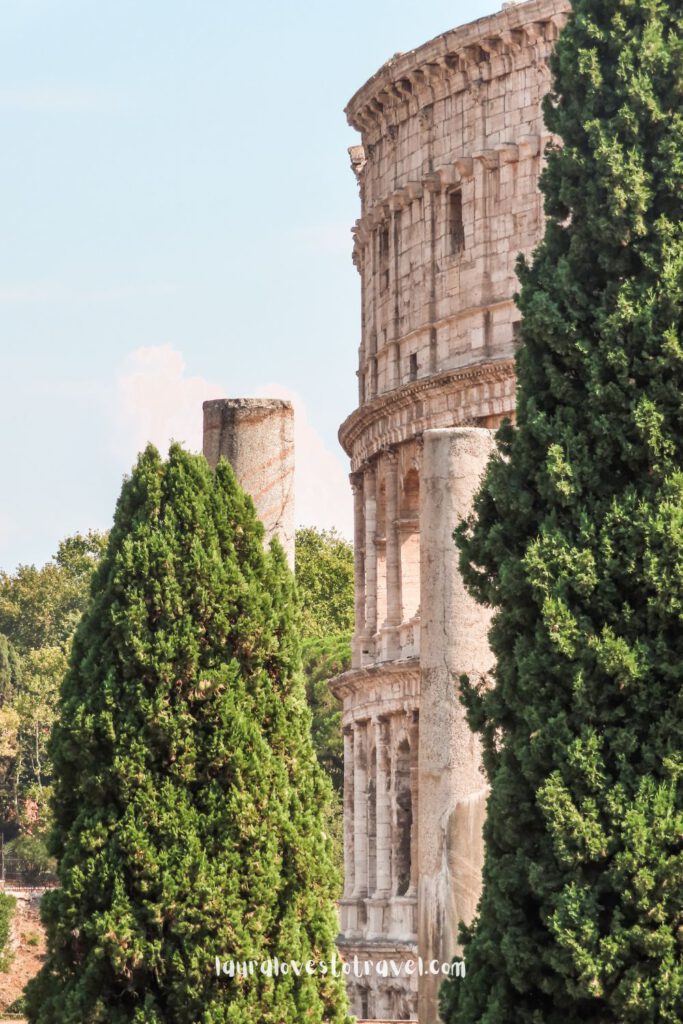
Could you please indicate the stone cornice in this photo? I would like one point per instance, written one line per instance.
(356, 680)
(423, 392)
(473, 53)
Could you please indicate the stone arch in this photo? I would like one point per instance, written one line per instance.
(409, 522)
(372, 823)
(381, 544)
(411, 492)
(403, 817)
(359, 997)
(364, 1001)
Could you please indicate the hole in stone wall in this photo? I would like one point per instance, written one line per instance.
(412, 366)
(384, 257)
(456, 226)
(372, 825)
(410, 544)
(404, 818)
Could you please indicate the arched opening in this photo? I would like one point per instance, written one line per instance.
(403, 810)
(364, 1003)
(381, 542)
(410, 544)
(372, 824)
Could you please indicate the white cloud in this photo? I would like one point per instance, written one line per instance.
(158, 402)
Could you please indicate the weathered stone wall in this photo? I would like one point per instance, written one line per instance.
(453, 143)
(256, 436)
(452, 148)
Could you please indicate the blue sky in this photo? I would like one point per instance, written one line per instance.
(175, 216)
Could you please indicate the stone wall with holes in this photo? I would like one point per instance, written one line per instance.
(452, 146)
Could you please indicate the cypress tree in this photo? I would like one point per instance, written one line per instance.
(188, 801)
(576, 541)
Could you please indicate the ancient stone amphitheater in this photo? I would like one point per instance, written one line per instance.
(452, 147)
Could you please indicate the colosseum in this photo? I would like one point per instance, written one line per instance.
(452, 144)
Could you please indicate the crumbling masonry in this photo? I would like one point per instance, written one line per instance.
(452, 146)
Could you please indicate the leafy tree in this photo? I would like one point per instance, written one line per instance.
(41, 607)
(10, 670)
(322, 660)
(324, 576)
(7, 905)
(577, 542)
(39, 610)
(188, 800)
(10, 682)
(9, 749)
(28, 855)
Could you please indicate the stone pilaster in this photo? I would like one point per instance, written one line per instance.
(359, 566)
(349, 816)
(383, 796)
(454, 641)
(370, 492)
(360, 809)
(393, 565)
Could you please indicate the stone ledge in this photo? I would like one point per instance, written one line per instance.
(458, 54)
(355, 680)
(420, 396)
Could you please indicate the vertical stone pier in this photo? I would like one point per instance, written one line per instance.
(452, 786)
(256, 436)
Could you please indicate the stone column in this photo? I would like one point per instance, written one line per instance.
(349, 799)
(454, 641)
(256, 436)
(359, 566)
(432, 202)
(370, 491)
(360, 809)
(394, 356)
(383, 809)
(394, 601)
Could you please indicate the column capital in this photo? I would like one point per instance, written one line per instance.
(390, 453)
(369, 471)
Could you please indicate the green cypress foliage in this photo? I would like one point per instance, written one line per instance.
(577, 543)
(188, 801)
